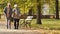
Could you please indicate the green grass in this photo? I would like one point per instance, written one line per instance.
(47, 24)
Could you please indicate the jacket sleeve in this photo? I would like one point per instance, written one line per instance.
(19, 12)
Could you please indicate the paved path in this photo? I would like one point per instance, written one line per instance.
(3, 30)
(10, 31)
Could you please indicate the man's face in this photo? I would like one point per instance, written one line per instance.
(9, 5)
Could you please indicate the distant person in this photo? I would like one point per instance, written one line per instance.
(8, 14)
(16, 16)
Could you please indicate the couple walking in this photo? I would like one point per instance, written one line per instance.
(12, 13)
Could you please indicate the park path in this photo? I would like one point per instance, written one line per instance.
(3, 30)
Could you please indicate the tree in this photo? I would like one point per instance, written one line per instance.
(57, 10)
(39, 12)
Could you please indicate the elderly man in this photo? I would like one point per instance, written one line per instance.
(8, 13)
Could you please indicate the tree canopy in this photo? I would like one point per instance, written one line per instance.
(25, 5)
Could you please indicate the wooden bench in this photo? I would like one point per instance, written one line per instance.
(27, 22)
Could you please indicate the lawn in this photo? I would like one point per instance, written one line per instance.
(47, 24)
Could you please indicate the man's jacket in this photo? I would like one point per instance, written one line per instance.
(8, 12)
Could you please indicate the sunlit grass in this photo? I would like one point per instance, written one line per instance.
(47, 24)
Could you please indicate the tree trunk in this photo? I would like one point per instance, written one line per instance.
(30, 12)
(57, 10)
(0, 16)
(39, 13)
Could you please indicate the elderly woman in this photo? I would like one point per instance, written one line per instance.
(16, 16)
